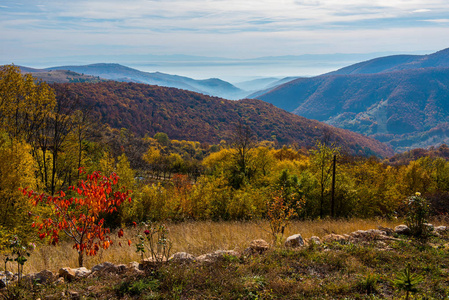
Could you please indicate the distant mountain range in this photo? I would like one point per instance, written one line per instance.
(400, 99)
(148, 109)
(213, 86)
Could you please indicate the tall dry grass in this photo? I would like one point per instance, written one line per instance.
(197, 238)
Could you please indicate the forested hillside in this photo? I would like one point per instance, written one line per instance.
(181, 114)
(405, 108)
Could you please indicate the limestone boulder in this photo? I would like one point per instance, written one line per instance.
(338, 238)
(402, 229)
(82, 272)
(108, 267)
(182, 257)
(294, 241)
(67, 273)
(257, 246)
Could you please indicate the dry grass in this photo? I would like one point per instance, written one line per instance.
(195, 238)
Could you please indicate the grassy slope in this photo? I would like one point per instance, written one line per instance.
(331, 271)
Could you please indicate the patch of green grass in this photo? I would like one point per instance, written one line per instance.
(143, 287)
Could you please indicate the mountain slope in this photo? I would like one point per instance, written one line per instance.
(213, 86)
(390, 106)
(187, 115)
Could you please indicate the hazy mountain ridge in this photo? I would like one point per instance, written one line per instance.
(397, 63)
(212, 87)
(396, 99)
(182, 114)
(59, 76)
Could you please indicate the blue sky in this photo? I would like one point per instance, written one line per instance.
(46, 33)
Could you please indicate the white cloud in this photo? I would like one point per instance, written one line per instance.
(232, 28)
(438, 20)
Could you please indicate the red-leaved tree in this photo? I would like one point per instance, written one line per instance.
(79, 217)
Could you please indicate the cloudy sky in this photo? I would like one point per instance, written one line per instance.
(38, 33)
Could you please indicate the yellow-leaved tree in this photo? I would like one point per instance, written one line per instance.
(17, 169)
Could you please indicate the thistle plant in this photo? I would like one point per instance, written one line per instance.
(417, 213)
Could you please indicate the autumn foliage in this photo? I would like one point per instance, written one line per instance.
(79, 216)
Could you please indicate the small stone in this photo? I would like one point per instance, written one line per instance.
(441, 229)
(67, 273)
(334, 238)
(294, 241)
(429, 227)
(402, 229)
(258, 246)
(182, 257)
(133, 265)
(315, 240)
(82, 272)
(44, 277)
(387, 230)
(109, 267)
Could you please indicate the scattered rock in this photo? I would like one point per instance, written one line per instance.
(369, 235)
(388, 231)
(441, 229)
(295, 241)
(217, 255)
(82, 272)
(402, 229)
(121, 268)
(67, 273)
(134, 266)
(44, 277)
(335, 238)
(315, 240)
(108, 267)
(182, 257)
(257, 246)
(429, 227)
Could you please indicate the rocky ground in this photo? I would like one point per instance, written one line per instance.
(362, 264)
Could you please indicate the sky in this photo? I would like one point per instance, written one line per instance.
(150, 34)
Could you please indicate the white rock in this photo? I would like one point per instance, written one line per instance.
(294, 241)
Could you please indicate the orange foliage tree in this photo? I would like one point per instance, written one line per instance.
(79, 217)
